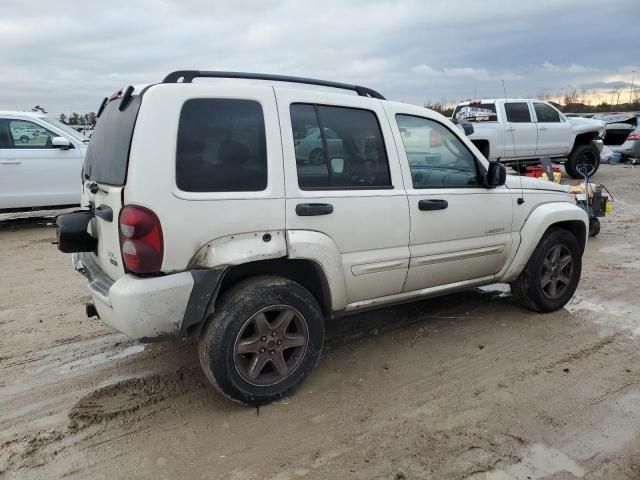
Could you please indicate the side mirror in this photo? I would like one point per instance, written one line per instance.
(60, 142)
(496, 175)
(464, 125)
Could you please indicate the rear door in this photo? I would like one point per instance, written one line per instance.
(104, 177)
(33, 173)
(554, 131)
(354, 194)
(521, 132)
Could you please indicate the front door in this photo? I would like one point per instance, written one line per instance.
(350, 191)
(460, 231)
(521, 133)
(554, 132)
(33, 173)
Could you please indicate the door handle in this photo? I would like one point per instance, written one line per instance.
(511, 129)
(542, 128)
(313, 209)
(432, 204)
(10, 162)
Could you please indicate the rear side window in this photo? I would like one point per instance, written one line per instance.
(221, 146)
(517, 112)
(338, 148)
(545, 113)
(108, 152)
(476, 112)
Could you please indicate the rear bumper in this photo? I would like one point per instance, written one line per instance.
(141, 308)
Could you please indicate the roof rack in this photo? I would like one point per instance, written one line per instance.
(187, 76)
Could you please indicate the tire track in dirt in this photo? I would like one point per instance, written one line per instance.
(130, 395)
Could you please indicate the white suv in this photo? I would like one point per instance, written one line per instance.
(40, 162)
(202, 217)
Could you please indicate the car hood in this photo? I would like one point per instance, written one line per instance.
(514, 182)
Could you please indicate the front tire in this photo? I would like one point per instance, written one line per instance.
(262, 341)
(551, 275)
(583, 158)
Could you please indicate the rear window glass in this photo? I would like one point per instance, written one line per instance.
(476, 112)
(108, 152)
(221, 146)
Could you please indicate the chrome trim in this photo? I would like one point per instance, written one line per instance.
(460, 255)
(365, 268)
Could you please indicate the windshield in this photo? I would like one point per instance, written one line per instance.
(476, 112)
(107, 157)
(65, 128)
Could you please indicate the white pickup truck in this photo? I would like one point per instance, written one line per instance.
(518, 132)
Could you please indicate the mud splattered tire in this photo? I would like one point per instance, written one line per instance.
(582, 156)
(262, 341)
(551, 275)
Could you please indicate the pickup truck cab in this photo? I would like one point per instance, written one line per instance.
(518, 132)
(204, 214)
(40, 162)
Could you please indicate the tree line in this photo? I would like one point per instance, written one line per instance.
(86, 119)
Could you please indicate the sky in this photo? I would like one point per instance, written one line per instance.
(67, 55)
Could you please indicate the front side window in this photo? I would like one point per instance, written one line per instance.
(437, 157)
(22, 134)
(338, 148)
(546, 114)
(221, 146)
(517, 112)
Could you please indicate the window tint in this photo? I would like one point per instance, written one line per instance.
(437, 158)
(23, 134)
(221, 146)
(107, 156)
(545, 113)
(348, 153)
(517, 112)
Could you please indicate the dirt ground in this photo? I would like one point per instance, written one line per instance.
(463, 386)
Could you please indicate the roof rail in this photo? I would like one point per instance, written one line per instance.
(187, 76)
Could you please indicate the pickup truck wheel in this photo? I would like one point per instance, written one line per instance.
(262, 341)
(583, 159)
(551, 275)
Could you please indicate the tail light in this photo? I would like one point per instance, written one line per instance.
(635, 136)
(141, 241)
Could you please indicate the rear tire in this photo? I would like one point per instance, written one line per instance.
(594, 227)
(551, 275)
(262, 341)
(582, 154)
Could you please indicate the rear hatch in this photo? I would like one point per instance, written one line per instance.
(105, 174)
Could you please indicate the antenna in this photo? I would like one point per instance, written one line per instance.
(513, 142)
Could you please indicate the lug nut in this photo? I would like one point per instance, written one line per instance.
(271, 352)
(279, 342)
(262, 350)
(264, 339)
(274, 334)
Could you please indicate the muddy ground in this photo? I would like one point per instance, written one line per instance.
(464, 386)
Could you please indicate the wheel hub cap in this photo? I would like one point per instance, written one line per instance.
(557, 270)
(270, 345)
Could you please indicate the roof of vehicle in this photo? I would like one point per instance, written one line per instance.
(493, 100)
(7, 113)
